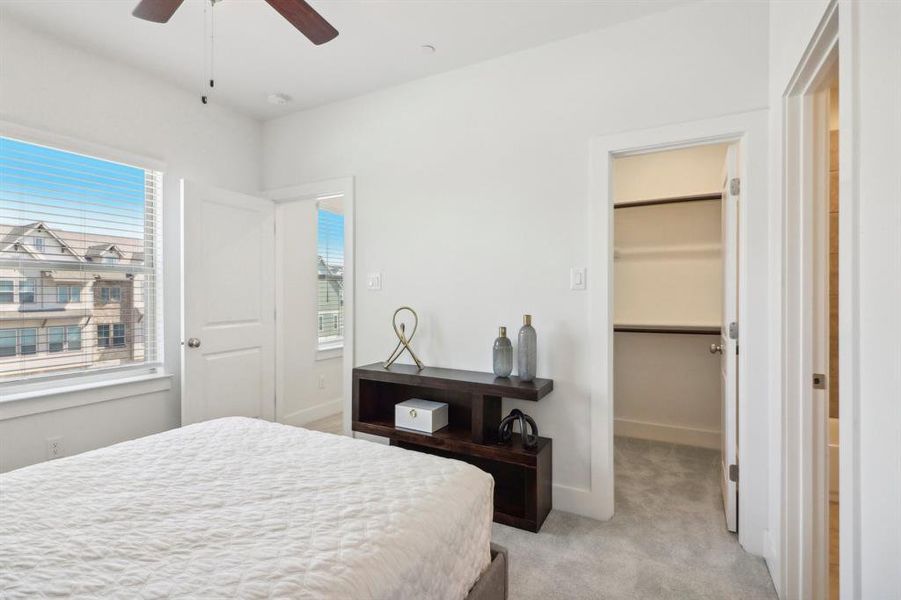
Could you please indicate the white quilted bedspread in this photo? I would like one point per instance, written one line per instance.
(241, 508)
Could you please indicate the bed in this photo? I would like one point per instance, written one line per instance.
(243, 508)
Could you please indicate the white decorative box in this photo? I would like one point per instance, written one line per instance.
(420, 415)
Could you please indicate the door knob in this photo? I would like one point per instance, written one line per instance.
(716, 348)
(195, 343)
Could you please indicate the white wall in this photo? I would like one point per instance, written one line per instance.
(472, 187)
(870, 81)
(62, 90)
(875, 151)
(694, 171)
(667, 264)
(300, 397)
(667, 388)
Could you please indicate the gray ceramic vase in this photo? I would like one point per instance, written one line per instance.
(503, 354)
(527, 350)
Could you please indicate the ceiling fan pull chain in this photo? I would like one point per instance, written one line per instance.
(207, 50)
(212, 41)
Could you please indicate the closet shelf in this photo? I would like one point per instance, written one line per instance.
(677, 329)
(672, 250)
(670, 200)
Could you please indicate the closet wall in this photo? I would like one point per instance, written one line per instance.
(667, 273)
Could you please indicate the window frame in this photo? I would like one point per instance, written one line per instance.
(105, 337)
(64, 294)
(11, 291)
(20, 345)
(69, 337)
(147, 374)
(5, 334)
(62, 341)
(33, 292)
(332, 348)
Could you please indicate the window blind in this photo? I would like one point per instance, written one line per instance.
(79, 263)
(330, 261)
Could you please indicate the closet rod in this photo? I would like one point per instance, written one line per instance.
(689, 330)
(673, 200)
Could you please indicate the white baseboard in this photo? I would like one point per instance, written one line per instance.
(304, 416)
(673, 434)
(581, 502)
(773, 562)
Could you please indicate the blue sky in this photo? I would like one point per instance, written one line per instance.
(331, 237)
(69, 191)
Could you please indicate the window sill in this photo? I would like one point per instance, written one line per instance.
(72, 393)
(330, 352)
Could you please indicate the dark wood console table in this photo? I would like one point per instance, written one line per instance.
(522, 477)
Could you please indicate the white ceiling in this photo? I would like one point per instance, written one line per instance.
(258, 53)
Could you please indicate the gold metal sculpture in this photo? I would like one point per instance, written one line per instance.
(403, 342)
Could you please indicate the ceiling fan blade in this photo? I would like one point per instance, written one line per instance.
(305, 18)
(158, 11)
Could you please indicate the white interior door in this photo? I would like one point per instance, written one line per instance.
(229, 305)
(729, 338)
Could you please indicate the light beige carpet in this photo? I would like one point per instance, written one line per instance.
(667, 539)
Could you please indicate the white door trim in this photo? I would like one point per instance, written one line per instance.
(750, 131)
(343, 186)
(801, 578)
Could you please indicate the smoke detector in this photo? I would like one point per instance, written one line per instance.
(278, 99)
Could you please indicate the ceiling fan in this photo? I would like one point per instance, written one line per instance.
(300, 14)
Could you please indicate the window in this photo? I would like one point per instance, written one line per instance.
(110, 294)
(68, 293)
(111, 336)
(73, 337)
(100, 221)
(330, 262)
(6, 291)
(56, 339)
(61, 338)
(27, 289)
(7, 342)
(28, 341)
(103, 336)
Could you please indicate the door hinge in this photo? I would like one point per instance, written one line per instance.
(819, 381)
(733, 473)
(735, 186)
(733, 330)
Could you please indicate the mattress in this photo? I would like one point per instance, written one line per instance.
(242, 508)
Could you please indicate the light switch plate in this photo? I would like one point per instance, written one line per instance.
(577, 279)
(374, 282)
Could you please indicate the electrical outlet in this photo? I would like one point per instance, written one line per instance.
(54, 448)
(322, 382)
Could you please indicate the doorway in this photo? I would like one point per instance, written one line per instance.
(228, 348)
(749, 131)
(675, 280)
(314, 303)
(812, 305)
